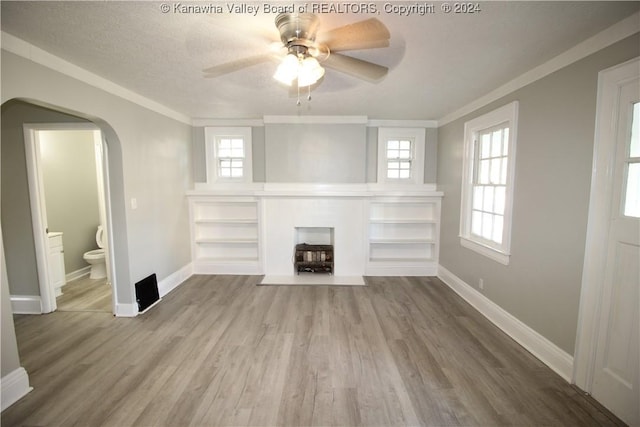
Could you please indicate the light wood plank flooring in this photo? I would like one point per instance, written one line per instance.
(220, 350)
(85, 294)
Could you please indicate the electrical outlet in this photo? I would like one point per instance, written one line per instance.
(481, 283)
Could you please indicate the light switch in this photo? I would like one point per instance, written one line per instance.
(134, 203)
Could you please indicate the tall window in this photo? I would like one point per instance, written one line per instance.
(228, 154)
(401, 155)
(487, 186)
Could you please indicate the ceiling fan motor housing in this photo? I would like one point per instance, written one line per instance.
(297, 29)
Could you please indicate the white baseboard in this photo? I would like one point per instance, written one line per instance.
(174, 280)
(239, 268)
(126, 310)
(551, 355)
(399, 269)
(26, 304)
(14, 387)
(75, 275)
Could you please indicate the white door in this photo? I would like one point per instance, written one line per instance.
(617, 367)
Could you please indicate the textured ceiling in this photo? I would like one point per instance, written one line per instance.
(438, 62)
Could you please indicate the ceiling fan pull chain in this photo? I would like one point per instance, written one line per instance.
(309, 96)
(298, 103)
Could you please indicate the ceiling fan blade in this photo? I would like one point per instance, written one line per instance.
(356, 67)
(368, 34)
(230, 67)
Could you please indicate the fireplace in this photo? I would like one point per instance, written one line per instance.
(313, 250)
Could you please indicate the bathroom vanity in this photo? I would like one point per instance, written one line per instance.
(56, 262)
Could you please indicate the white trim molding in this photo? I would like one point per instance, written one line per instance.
(15, 385)
(126, 310)
(174, 280)
(331, 120)
(26, 304)
(373, 123)
(74, 275)
(623, 29)
(551, 355)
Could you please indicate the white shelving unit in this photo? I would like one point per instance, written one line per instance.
(225, 235)
(403, 236)
(376, 230)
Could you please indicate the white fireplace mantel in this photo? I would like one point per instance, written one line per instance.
(378, 230)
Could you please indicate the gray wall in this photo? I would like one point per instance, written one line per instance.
(9, 359)
(71, 192)
(317, 153)
(541, 285)
(149, 160)
(17, 227)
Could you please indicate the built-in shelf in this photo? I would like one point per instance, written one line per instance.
(403, 235)
(225, 235)
(375, 231)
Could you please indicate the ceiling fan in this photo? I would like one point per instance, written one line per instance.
(305, 50)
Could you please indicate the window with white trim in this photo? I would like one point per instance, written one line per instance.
(487, 183)
(228, 154)
(401, 155)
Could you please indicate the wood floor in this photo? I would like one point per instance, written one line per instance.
(221, 351)
(85, 294)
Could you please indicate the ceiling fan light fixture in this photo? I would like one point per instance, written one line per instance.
(287, 71)
(309, 71)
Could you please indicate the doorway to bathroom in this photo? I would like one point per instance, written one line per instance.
(67, 166)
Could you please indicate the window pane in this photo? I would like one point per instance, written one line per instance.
(634, 150)
(224, 152)
(632, 197)
(224, 144)
(392, 154)
(393, 145)
(405, 154)
(499, 197)
(236, 173)
(487, 226)
(498, 223)
(496, 143)
(393, 173)
(405, 165)
(476, 223)
(393, 165)
(485, 150)
(496, 169)
(405, 174)
(487, 204)
(477, 196)
(483, 176)
(405, 145)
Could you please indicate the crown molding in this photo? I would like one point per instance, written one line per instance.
(335, 120)
(33, 53)
(403, 123)
(227, 122)
(623, 29)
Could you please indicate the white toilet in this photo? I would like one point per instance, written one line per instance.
(96, 257)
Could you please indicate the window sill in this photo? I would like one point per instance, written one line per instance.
(494, 254)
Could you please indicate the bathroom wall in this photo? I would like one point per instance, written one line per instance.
(71, 191)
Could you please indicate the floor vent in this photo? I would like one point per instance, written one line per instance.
(147, 293)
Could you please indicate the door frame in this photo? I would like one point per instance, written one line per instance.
(600, 205)
(39, 213)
